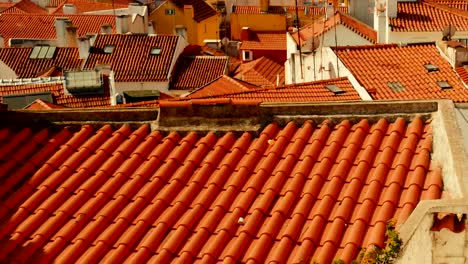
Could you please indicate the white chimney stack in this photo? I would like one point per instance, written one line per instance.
(329, 11)
(380, 20)
(84, 44)
(61, 24)
(121, 24)
(2, 41)
(392, 8)
(72, 38)
(69, 9)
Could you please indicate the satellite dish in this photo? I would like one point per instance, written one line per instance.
(310, 45)
(448, 32)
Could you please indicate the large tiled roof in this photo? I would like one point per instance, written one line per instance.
(428, 16)
(25, 6)
(222, 86)
(291, 192)
(83, 6)
(377, 68)
(323, 25)
(18, 60)
(262, 72)
(311, 10)
(265, 40)
(131, 59)
(25, 25)
(195, 71)
(463, 73)
(202, 10)
(57, 91)
(304, 92)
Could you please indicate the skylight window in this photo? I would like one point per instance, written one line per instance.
(155, 51)
(444, 85)
(108, 49)
(431, 67)
(334, 89)
(42, 52)
(396, 86)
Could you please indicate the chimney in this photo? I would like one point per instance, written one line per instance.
(2, 41)
(329, 10)
(392, 8)
(72, 38)
(106, 29)
(69, 9)
(264, 5)
(151, 28)
(455, 52)
(121, 24)
(380, 21)
(84, 44)
(61, 24)
(245, 34)
(188, 11)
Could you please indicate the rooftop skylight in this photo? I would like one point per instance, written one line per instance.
(155, 51)
(334, 89)
(108, 49)
(396, 86)
(444, 85)
(42, 52)
(431, 67)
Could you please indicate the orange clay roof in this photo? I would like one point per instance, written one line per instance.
(58, 95)
(24, 67)
(428, 16)
(289, 193)
(25, 25)
(304, 92)
(131, 59)
(323, 25)
(83, 6)
(377, 66)
(39, 104)
(312, 10)
(195, 71)
(262, 72)
(202, 10)
(25, 6)
(265, 40)
(221, 86)
(463, 73)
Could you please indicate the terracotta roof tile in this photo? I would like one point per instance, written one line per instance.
(312, 10)
(40, 104)
(20, 25)
(463, 73)
(58, 95)
(265, 40)
(305, 92)
(83, 6)
(323, 25)
(379, 68)
(195, 71)
(262, 72)
(290, 193)
(202, 10)
(24, 67)
(428, 16)
(221, 86)
(131, 59)
(25, 6)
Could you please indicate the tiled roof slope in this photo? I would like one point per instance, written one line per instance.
(304, 92)
(323, 25)
(296, 192)
(222, 86)
(202, 10)
(195, 71)
(40, 104)
(377, 67)
(18, 60)
(428, 16)
(131, 59)
(265, 40)
(25, 25)
(311, 10)
(463, 73)
(25, 6)
(262, 72)
(458, 4)
(58, 95)
(83, 6)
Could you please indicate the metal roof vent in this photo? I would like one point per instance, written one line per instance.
(431, 67)
(83, 82)
(334, 89)
(396, 86)
(444, 85)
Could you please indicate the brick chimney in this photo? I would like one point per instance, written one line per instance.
(106, 29)
(84, 44)
(72, 38)
(264, 5)
(245, 34)
(61, 24)
(69, 9)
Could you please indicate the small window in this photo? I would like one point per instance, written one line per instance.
(334, 89)
(431, 67)
(155, 51)
(108, 49)
(247, 55)
(170, 12)
(444, 85)
(396, 86)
